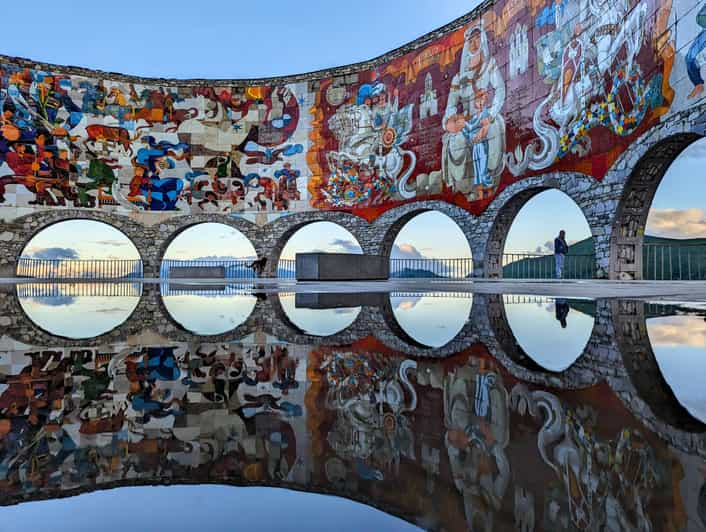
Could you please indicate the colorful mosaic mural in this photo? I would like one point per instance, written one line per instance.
(523, 88)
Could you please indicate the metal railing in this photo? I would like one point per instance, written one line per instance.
(542, 266)
(287, 269)
(78, 269)
(431, 268)
(664, 262)
(175, 289)
(52, 290)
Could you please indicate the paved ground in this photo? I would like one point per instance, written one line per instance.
(671, 290)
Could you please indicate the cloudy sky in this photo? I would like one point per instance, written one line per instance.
(241, 39)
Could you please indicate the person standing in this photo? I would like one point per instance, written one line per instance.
(561, 248)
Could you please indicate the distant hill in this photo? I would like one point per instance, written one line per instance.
(414, 273)
(663, 259)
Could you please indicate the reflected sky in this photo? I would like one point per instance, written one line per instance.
(319, 322)
(209, 314)
(78, 316)
(430, 319)
(216, 507)
(552, 332)
(679, 345)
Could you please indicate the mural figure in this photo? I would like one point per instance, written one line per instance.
(370, 165)
(591, 38)
(474, 143)
(696, 56)
(476, 416)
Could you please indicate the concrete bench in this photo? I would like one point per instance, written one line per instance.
(341, 267)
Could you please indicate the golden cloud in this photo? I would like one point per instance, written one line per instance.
(677, 331)
(677, 223)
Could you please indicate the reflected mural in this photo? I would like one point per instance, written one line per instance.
(477, 444)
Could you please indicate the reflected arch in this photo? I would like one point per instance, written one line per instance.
(71, 311)
(428, 321)
(205, 313)
(508, 206)
(643, 370)
(515, 343)
(677, 336)
(309, 320)
(627, 236)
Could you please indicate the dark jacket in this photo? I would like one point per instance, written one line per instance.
(560, 246)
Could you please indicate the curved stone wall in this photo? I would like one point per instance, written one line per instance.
(512, 93)
(509, 91)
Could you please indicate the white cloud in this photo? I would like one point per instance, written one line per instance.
(347, 245)
(677, 223)
(677, 331)
(406, 251)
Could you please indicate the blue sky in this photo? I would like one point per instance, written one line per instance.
(248, 39)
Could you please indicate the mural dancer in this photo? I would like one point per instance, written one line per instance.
(695, 56)
(474, 144)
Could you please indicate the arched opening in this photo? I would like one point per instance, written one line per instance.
(431, 320)
(315, 237)
(428, 244)
(552, 332)
(677, 335)
(79, 249)
(209, 249)
(627, 253)
(674, 245)
(317, 321)
(527, 230)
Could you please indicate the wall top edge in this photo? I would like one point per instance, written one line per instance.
(325, 73)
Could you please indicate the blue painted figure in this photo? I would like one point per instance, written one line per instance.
(694, 57)
(471, 131)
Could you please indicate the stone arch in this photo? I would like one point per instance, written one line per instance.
(25, 228)
(389, 225)
(278, 233)
(169, 229)
(583, 190)
(628, 229)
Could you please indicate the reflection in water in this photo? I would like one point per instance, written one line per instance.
(432, 320)
(77, 310)
(474, 446)
(315, 321)
(553, 332)
(679, 345)
(209, 314)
